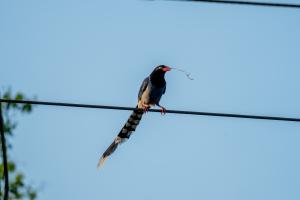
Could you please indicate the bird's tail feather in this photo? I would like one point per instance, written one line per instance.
(123, 135)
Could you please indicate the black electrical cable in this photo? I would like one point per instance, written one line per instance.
(153, 110)
(249, 3)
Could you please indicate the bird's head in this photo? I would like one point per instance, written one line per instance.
(162, 69)
(158, 74)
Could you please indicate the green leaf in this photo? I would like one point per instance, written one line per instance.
(31, 194)
(11, 166)
(19, 96)
(27, 108)
(7, 95)
(19, 179)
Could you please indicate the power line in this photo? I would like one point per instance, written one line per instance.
(153, 110)
(249, 3)
(4, 156)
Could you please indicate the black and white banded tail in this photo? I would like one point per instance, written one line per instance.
(124, 134)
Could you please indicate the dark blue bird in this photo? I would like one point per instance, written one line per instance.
(150, 93)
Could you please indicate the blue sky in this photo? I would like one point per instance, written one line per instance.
(244, 60)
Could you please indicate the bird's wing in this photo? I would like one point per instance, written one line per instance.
(164, 90)
(143, 87)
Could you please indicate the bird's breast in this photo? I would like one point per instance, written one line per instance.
(151, 95)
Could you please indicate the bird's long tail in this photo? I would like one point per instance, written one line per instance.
(124, 134)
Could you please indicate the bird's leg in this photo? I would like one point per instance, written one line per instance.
(145, 107)
(163, 110)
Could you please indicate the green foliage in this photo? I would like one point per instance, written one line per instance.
(24, 108)
(18, 189)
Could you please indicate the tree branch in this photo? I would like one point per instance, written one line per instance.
(3, 144)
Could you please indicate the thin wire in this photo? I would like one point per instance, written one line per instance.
(265, 4)
(4, 155)
(153, 110)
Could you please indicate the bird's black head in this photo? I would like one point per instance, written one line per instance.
(158, 75)
(161, 69)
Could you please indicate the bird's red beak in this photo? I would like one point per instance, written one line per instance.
(166, 69)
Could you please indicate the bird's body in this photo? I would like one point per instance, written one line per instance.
(150, 93)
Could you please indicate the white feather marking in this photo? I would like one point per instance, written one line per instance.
(101, 162)
(118, 139)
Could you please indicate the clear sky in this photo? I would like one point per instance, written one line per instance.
(244, 60)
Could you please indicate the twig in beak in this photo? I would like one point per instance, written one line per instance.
(188, 74)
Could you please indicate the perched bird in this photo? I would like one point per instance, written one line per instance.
(151, 90)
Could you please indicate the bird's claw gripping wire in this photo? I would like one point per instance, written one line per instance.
(145, 107)
(163, 110)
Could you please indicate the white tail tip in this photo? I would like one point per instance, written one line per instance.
(101, 162)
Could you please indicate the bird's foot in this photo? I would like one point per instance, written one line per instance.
(146, 108)
(163, 110)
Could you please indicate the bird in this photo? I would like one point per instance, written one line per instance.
(150, 93)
